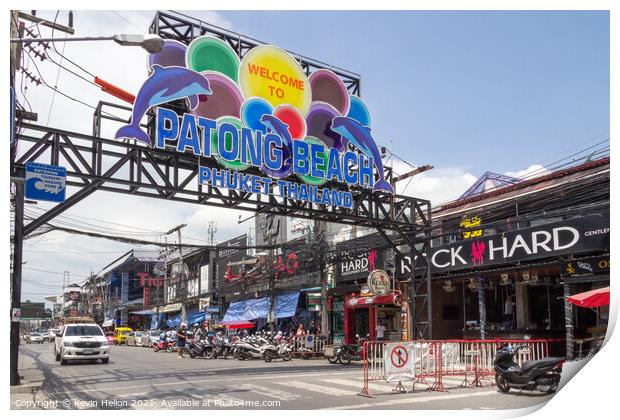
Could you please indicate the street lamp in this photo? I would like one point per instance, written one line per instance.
(151, 43)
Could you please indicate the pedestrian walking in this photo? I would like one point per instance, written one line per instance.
(181, 337)
(380, 331)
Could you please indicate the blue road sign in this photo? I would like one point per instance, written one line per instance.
(45, 182)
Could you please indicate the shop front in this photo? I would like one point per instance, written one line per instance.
(514, 285)
(362, 315)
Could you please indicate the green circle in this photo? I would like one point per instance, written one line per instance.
(234, 165)
(213, 54)
(313, 180)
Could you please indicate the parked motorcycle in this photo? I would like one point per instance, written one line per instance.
(222, 346)
(540, 375)
(200, 348)
(347, 353)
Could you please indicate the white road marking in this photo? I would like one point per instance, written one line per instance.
(317, 388)
(357, 385)
(186, 382)
(411, 400)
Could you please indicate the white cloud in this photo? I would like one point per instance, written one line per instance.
(439, 185)
(533, 171)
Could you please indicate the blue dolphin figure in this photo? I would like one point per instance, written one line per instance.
(278, 127)
(165, 84)
(359, 136)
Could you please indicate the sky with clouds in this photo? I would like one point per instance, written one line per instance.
(464, 91)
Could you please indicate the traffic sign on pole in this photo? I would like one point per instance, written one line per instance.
(45, 182)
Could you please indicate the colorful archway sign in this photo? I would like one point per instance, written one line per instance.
(206, 53)
(290, 116)
(319, 121)
(273, 74)
(309, 179)
(358, 111)
(171, 54)
(252, 110)
(225, 100)
(328, 87)
(229, 142)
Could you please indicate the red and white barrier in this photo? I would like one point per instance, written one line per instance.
(435, 359)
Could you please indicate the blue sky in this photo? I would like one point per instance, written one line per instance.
(468, 89)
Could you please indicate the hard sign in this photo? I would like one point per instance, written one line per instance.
(45, 182)
(399, 362)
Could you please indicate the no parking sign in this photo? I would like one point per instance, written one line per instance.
(398, 362)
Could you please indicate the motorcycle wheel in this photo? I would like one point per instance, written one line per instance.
(333, 359)
(287, 357)
(502, 384)
(191, 354)
(268, 356)
(345, 359)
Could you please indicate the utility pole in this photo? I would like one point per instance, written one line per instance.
(182, 280)
(16, 284)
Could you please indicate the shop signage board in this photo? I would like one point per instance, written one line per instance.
(398, 362)
(298, 131)
(225, 256)
(45, 182)
(572, 236)
(357, 260)
(379, 282)
(594, 265)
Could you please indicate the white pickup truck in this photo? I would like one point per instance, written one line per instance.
(81, 342)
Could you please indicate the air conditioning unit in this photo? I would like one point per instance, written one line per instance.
(448, 286)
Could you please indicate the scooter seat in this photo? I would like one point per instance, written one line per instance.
(547, 361)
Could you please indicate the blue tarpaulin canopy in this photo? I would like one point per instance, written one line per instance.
(156, 321)
(246, 310)
(286, 304)
(195, 317)
(174, 322)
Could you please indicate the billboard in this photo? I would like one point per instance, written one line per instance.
(32, 310)
(225, 256)
(358, 258)
(572, 236)
(299, 131)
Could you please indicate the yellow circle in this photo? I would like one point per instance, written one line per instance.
(273, 74)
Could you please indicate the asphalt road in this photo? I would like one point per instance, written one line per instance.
(138, 378)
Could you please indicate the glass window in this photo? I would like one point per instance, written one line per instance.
(76, 330)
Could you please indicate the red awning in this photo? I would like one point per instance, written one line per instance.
(592, 299)
(237, 324)
(392, 298)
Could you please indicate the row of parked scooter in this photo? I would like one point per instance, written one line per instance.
(264, 345)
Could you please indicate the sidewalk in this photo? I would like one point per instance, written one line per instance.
(29, 394)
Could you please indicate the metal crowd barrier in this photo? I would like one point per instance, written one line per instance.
(436, 359)
(308, 345)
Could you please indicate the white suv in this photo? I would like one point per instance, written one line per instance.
(81, 342)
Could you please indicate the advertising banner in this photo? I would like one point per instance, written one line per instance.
(225, 275)
(360, 261)
(572, 236)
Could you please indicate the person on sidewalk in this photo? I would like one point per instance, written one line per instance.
(380, 331)
(181, 337)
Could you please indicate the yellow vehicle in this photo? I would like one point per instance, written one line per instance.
(120, 333)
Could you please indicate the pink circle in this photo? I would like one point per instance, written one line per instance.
(225, 101)
(290, 116)
(329, 88)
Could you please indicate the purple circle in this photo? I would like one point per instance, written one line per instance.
(225, 101)
(171, 54)
(329, 88)
(319, 122)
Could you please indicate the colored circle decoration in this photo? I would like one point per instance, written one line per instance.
(207, 53)
(309, 179)
(358, 111)
(228, 143)
(290, 116)
(171, 54)
(273, 74)
(225, 100)
(328, 87)
(318, 123)
(251, 112)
